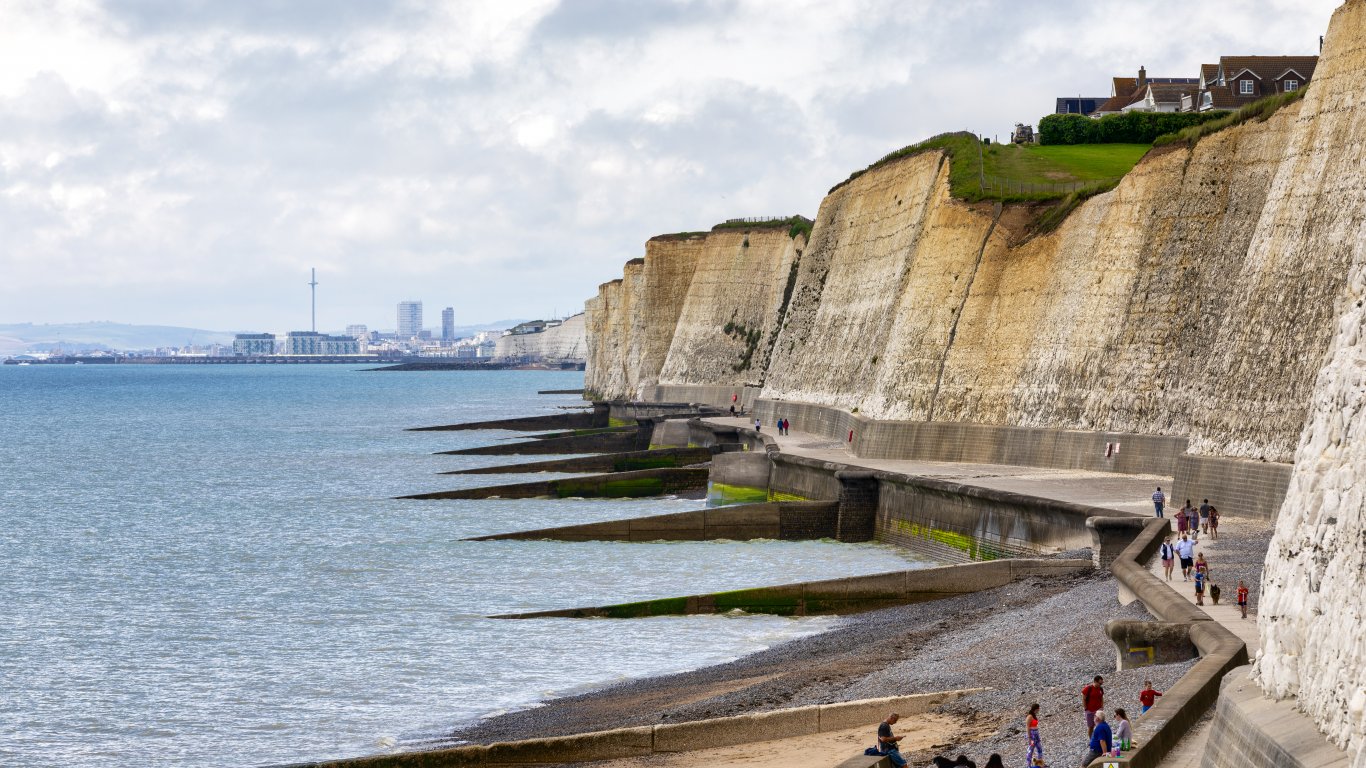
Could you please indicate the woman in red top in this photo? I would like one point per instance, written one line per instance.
(1032, 728)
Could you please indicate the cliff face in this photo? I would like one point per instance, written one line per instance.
(699, 309)
(1164, 307)
(1217, 294)
(564, 343)
(1312, 609)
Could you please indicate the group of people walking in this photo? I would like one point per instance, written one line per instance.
(1190, 519)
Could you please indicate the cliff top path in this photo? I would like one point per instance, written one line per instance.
(1123, 493)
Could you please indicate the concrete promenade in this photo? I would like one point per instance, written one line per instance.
(1192, 748)
(1127, 493)
(1123, 493)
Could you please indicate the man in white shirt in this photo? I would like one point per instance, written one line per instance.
(1185, 549)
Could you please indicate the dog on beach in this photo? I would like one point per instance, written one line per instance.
(961, 762)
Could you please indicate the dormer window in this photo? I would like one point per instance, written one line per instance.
(1292, 85)
(1207, 99)
(1245, 87)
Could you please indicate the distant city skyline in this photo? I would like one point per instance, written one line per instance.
(187, 163)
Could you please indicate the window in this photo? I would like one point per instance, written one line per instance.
(1245, 87)
(1292, 85)
(1206, 99)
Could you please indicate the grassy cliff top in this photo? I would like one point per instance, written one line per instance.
(1017, 173)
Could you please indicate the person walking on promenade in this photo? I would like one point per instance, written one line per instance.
(1214, 523)
(757, 425)
(1032, 729)
(1181, 521)
(1195, 521)
(1092, 699)
(888, 744)
(1199, 587)
(1168, 553)
(1185, 549)
(1204, 516)
(1242, 597)
(1159, 500)
(1148, 696)
(1101, 740)
(1201, 565)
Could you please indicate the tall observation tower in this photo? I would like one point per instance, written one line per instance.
(313, 289)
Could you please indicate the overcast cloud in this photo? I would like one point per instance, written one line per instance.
(186, 162)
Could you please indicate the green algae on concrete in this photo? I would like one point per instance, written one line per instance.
(628, 488)
(974, 549)
(722, 494)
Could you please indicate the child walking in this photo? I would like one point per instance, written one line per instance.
(1148, 695)
(1242, 597)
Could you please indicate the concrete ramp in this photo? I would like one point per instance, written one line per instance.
(854, 594)
(618, 485)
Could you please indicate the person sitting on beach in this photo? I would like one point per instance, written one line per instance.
(1101, 740)
(1123, 731)
(995, 761)
(888, 744)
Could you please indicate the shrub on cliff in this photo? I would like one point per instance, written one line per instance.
(1124, 128)
(1257, 110)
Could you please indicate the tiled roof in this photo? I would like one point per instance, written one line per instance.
(1172, 92)
(1268, 67)
(1209, 73)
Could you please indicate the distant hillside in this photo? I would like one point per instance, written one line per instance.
(19, 337)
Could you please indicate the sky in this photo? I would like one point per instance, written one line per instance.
(186, 162)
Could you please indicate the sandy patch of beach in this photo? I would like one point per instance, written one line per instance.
(820, 750)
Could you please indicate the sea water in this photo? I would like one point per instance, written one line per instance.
(204, 565)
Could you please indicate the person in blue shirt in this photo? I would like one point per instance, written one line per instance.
(1101, 740)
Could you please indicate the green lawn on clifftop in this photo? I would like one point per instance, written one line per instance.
(1030, 172)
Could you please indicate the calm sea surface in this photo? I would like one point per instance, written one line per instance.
(203, 566)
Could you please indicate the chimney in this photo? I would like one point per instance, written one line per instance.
(1142, 77)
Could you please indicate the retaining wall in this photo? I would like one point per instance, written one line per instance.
(1250, 729)
(1235, 486)
(1160, 729)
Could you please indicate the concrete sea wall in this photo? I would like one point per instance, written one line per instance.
(661, 739)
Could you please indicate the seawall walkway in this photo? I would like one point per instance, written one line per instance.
(1108, 490)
